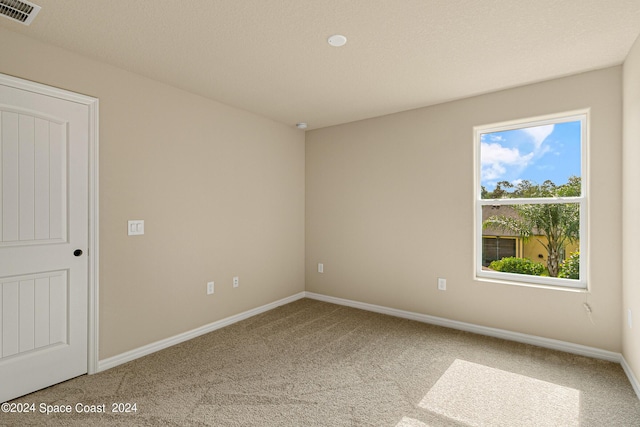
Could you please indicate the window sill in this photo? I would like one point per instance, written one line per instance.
(531, 285)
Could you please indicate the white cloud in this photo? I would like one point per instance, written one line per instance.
(496, 158)
(493, 171)
(539, 134)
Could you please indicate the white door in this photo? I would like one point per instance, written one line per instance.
(43, 221)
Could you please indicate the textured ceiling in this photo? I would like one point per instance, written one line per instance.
(271, 57)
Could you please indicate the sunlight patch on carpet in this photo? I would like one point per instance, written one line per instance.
(410, 422)
(478, 395)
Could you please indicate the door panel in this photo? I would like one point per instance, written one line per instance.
(44, 218)
(33, 191)
(34, 312)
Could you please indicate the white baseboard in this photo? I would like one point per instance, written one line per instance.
(185, 336)
(481, 330)
(632, 378)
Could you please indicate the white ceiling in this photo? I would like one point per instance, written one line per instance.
(271, 57)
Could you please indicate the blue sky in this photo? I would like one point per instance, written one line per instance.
(535, 154)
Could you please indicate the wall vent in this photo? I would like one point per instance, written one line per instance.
(18, 10)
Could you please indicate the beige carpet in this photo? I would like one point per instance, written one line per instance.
(310, 363)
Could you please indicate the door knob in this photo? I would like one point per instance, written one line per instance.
(77, 252)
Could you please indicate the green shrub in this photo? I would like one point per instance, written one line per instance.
(570, 268)
(518, 265)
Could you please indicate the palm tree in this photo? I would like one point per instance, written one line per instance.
(559, 223)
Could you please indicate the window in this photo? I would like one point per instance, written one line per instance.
(495, 248)
(531, 200)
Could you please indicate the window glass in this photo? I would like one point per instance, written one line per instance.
(531, 161)
(531, 202)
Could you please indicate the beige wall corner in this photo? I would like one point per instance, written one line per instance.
(221, 192)
(389, 209)
(631, 210)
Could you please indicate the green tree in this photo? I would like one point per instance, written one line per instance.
(499, 192)
(559, 223)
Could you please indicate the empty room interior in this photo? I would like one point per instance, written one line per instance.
(300, 212)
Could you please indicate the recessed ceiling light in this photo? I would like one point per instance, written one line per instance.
(301, 125)
(337, 40)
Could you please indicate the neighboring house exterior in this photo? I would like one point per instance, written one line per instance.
(498, 244)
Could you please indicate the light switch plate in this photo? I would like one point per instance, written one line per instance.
(135, 227)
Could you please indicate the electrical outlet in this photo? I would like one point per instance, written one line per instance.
(442, 284)
(210, 288)
(236, 281)
(629, 318)
(320, 268)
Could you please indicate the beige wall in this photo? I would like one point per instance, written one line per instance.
(221, 192)
(389, 208)
(631, 209)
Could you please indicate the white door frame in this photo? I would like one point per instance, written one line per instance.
(93, 255)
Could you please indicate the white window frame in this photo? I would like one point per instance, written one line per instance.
(521, 279)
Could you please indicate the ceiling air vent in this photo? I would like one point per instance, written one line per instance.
(20, 11)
